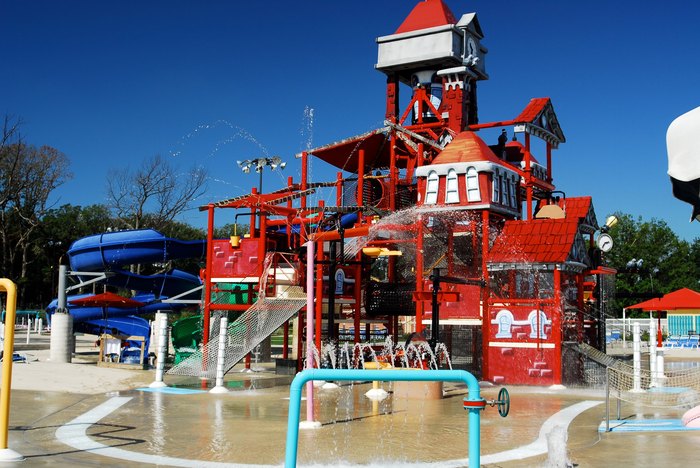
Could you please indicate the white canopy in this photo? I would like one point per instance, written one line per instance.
(683, 145)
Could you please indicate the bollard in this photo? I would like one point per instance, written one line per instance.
(39, 326)
(637, 359)
(29, 328)
(7, 454)
(221, 358)
(162, 346)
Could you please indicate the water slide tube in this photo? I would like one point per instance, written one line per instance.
(346, 221)
(113, 250)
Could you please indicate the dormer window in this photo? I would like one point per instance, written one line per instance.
(504, 189)
(431, 188)
(513, 192)
(451, 187)
(496, 187)
(473, 193)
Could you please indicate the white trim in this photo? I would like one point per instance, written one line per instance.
(455, 322)
(472, 185)
(461, 168)
(501, 344)
(418, 33)
(432, 187)
(452, 187)
(240, 279)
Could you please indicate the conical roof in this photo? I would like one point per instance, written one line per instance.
(427, 14)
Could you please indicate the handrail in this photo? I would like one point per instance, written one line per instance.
(473, 397)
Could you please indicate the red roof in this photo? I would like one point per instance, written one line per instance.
(427, 14)
(345, 154)
(576, 207)
(466, 147)
(535, 241)
(681, 299)
(528, 115)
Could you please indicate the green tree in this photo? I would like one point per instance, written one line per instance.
(59, 228)
(650, 259)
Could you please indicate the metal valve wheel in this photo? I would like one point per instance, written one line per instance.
(502, 403)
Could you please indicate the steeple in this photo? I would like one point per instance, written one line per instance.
(441, 59)
(427, 14)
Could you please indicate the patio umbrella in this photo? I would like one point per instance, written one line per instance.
(106, 300)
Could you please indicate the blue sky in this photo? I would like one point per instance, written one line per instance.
(212, 82)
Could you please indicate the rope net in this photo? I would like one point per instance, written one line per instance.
(679, 388)
(252, 326)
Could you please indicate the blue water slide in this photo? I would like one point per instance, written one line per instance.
(110, 250)
(167, 284)
(80, 314)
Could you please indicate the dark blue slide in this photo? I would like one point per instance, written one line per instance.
(111, 252)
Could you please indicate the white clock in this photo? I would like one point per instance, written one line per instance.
(605, 242)
(471, 47)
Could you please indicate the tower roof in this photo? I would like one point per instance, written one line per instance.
(427, 14)
(466, 147)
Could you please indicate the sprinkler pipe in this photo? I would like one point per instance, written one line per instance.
(473, 403)
(309, 330)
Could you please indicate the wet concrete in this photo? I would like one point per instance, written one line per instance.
(248, 426)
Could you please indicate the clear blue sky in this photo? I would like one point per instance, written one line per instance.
(211, 82)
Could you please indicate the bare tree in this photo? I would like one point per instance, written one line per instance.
(153, 195)
(28, 176)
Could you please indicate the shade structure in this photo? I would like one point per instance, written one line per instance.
(107, 299)
(680, 299)
(651, 304)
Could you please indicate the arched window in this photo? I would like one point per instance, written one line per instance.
(431, 188)
(496, 187)
(504, 189)
(473, 193)
(452, 187)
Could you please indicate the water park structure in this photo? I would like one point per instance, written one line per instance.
(470, 243)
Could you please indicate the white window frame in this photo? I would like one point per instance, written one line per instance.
(473, 190)
(432, 185)
(451, 187)
(504, 189)
(496, 187)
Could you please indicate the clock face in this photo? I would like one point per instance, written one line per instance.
(605, 242)
(471, 47)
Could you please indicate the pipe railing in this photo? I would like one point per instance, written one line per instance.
(473, 402)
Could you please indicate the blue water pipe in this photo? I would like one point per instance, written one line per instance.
(473, 403)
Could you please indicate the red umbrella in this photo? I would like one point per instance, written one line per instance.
(107, 299)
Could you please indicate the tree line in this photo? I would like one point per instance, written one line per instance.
(35, 236)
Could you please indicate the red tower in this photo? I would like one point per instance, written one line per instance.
(494, 260)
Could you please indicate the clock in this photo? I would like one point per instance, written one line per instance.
(471, 47)
(605, 242)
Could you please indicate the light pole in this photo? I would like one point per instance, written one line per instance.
(258, 164)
